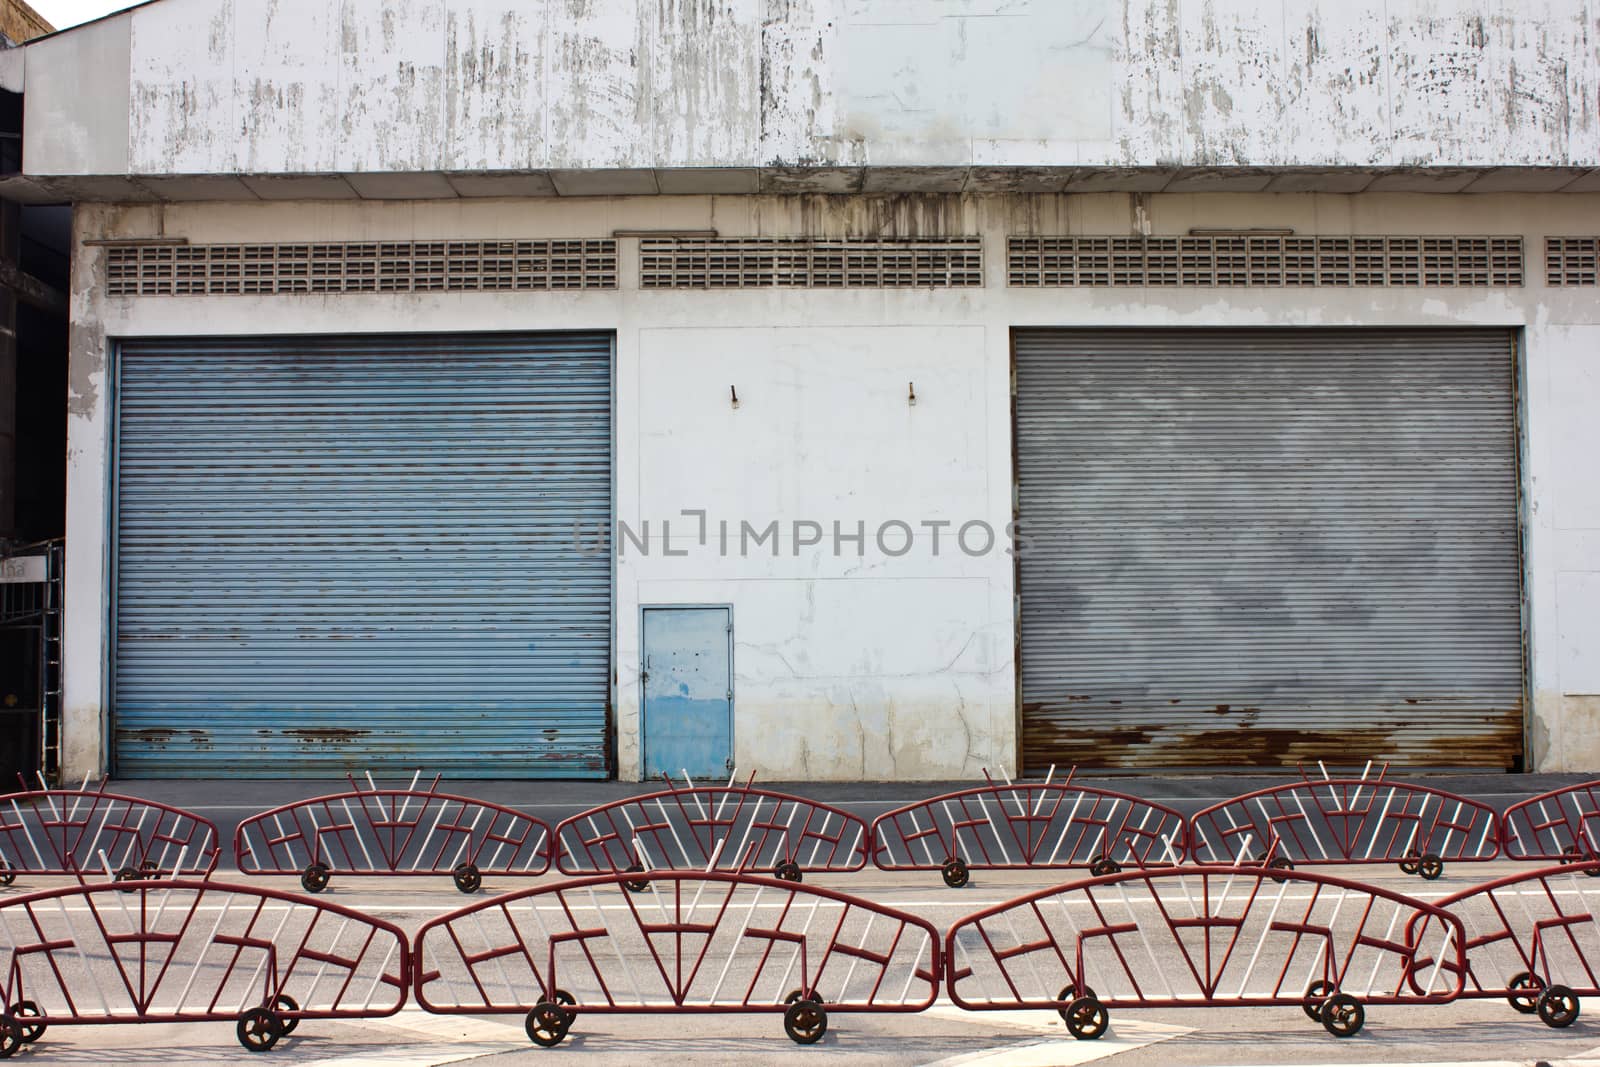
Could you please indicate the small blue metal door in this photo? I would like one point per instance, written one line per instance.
(688, 691)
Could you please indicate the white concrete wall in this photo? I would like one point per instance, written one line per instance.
(275, 87)
(870, 667)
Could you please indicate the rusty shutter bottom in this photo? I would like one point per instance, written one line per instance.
(1248, 548)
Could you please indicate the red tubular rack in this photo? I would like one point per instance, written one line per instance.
(1559, 826)
(80, 831)
(1347, 820)
(1534, 939)
(1204, 937)
(155, 951)
(688, 943)
(730, 828)
(393, 832)
(1041, 825)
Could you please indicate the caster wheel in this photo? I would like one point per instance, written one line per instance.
(467, 878)
(1411, 862)
(259, 1029)
(282, 1003)
(1526, 1003)
(1431, 867)
(564, 1000)
(1086, 1018)
(1070, 993)
(955, 873)
(1316, 993)
(21, 1012)
(1342, 1015)
(1558, 1007)
(7, 875)
(1280, 863)
(547, 1024)
(805, 1021)
(1102, 865)
(10, 1037)
(635, 885)
(314, 879)
(126, 874)
(788, 871)
(1570, 854)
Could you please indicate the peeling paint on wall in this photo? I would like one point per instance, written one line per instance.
(296, 86)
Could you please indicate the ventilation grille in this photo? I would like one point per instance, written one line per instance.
(1572, 260)
(363, 267)
(1265, 261)
(810, 263)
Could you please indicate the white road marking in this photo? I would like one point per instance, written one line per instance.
(1059, 1051)
(441, 1039)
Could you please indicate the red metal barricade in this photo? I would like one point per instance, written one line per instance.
(1534, 939)
(724, 827)
(392, 831)
(1204, 937)
(79, 831)
(1561, 826)
(1048, 825)
(688, 943)
(1347, 820)
(191, 951)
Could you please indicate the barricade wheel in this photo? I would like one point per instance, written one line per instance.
(467, 878)
(1280, 863)
(1558, 1007)
(259, 1029)
(1527, 1003)
(797, 995)
(149, 869)
(955, 872)
(547, 1024)
(565, 1000)
(10, 1037)
(1431, 867)
(1592, 872)
(314, 879)
(1103, 865)
(1343, 1015)
(1316, 993)
(126, 874)
(788, 870)
(1087, 1018)
(635, 885)
(1411, 863)
(1068, 994)
(7, 875)
(22, 1011)
(805, 1021)
(281, 1003)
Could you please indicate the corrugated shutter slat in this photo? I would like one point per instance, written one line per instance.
(345, 553)
(1252, 547)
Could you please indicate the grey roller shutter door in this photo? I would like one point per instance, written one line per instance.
(1252, 547)
(338, 554)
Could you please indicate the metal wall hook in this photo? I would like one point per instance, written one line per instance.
(734, 395)
(911, 393)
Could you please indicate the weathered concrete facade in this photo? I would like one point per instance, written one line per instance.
(230, 99)
(875, 667)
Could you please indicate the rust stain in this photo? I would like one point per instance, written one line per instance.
(337, 734)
